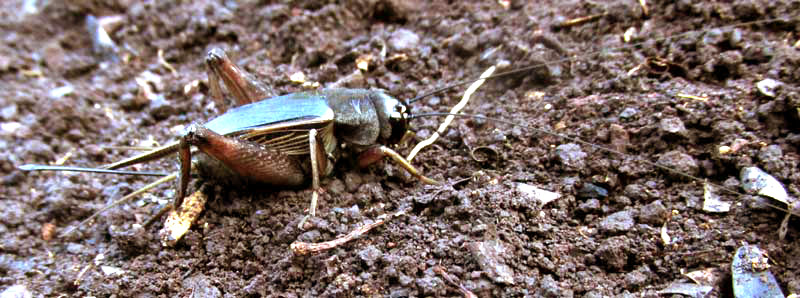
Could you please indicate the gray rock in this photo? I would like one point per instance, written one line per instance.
(16, 291)
(628, 113)
(490, 257)
(680, 161)
(403, 39)
(673, 125)
(654, 213)
(767, 87)
(771, 153)
(591, 191)
(14, 212)
(370, 255)
(548, 287)
(613, 253)
(619, 222)
(571, 155)
(590, 206)
(428, 285)
(160, 108)
(637, 278)
(201, 287)
(9, 111)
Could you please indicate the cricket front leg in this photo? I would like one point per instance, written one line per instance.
(244, 87)
(319, 162)
(377, 153)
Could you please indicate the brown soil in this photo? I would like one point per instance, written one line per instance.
(478, 226)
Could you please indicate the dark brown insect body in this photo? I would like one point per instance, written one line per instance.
(284, 141)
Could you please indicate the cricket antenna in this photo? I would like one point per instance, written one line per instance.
(35, 167)
(553, 44)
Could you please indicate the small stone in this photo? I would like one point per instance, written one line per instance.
(613, 253)
(428, 285)
(465, 43)
(39, 148)
(637, 278)
(680, 161)
(636, 191)
(628, 113)
(590, 206)
(110, 270)
(9, 112)
(673, 125)
(713, 37)
(16, 291)
(533, 196)
(571, 155)
(755, 180)
(160, 108)
(201, 287)
(618, 222)
(352, 181)
(771, 153)
(489, 256)
(310, 236)
(61, 91)
(13, 212)
(591, 191)
(548, 287)
(370, 255)
(131, 102)
(712, 202)
(654, 213)
(403, 40)
(767, 87)
(10, 128)
(75, 249)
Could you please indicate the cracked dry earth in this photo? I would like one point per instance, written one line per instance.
(675, 100)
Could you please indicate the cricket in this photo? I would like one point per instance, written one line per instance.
(450, 144)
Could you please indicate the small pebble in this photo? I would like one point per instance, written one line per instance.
(680, 161)
(613, 253)
(767, 87)
(755, 180)
(548, 287)
(591, 191)
(628, 113)
(771, 153)
(201, 287)
(61, 91)
(16, 291)
(673, 125)
(160, 108)
(9, 112)
(490, 257)
(590, 206)
(571, 155)
(370, 255)
(654, 213)
(637, 278)
(618, 222)
(403, 39)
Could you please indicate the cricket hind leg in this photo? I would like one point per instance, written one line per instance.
(237, 161)
(243, 86)
(376, 153)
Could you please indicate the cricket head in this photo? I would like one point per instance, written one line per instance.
(394, 116)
